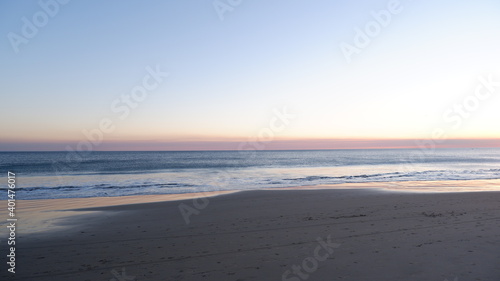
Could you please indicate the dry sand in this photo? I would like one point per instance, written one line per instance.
(328, 234)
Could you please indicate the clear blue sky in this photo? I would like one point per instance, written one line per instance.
(228, 77)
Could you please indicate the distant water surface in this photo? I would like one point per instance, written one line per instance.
(64, 175)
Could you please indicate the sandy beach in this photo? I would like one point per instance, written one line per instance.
(303, 234)
(250, 140)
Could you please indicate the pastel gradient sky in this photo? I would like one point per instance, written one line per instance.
(229, 77)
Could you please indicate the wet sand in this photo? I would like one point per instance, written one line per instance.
(300, 234)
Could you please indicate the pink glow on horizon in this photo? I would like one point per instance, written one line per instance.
(303, 144)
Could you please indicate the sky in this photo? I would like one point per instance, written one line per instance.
(229, 74)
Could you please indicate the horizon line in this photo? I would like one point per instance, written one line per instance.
(252, 145)
(235, 150)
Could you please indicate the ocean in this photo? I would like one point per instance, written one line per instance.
(43, 175)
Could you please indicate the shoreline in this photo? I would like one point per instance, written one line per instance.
(49, 215)
(403, 186)
(262, 234)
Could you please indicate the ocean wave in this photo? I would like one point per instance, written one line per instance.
(102, 186)
(399, 176)
(365, 176)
